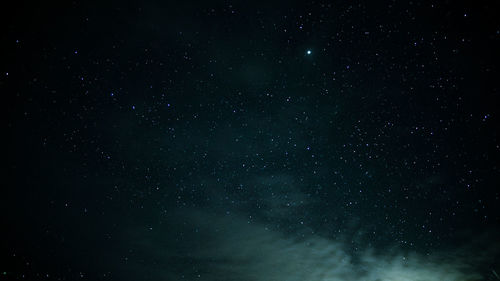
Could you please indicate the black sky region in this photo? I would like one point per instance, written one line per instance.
(237, 140)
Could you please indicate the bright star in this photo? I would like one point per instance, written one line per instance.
(308, 52)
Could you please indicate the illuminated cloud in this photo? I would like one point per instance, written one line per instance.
(230, 248)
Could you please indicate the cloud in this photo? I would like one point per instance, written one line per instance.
(203, 245)
(261, 238)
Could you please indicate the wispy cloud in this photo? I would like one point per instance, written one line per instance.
(229, 247)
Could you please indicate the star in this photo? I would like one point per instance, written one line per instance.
(308, 52)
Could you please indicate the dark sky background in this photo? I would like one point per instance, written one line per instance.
(252, 140)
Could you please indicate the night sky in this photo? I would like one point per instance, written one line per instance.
(250, 141)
